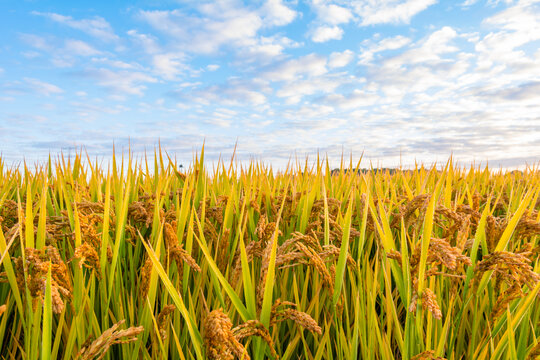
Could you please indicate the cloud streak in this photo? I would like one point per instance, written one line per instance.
(97, 27)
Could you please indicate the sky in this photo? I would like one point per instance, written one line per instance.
(399, 81)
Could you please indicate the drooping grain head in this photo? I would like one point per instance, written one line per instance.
(99, 347)
(88, 257)
(162, 320)
(255, 328)
(219, 339)
(429, 302)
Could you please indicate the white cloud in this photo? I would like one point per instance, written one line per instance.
(507, 2)
(62, 62)
(30, 54)
(237, 96)
(265, 49)
(79, 48)
(329, 16)
(115, 63)
(215, 119)
(242, 95)
(121, 83)
(212, 67)
(60, 56)
(168, 66)
(211, 27)
(225, 112)
(96, 26)
(392, 43)
(148, 42)
(512, 28)
(308, 66)
(308, 75)
(222, 117)
(326, 33)
(234, 92)
(390, 11)
(219, 26)
(340, 59)
(294, 91)
(331, 13)
(43, 88)
(356, 99)
(36, 41)
(310, 111)
(521, 17)
(275, 13)
(1, 71)
(467, 3)
(189, 84)
(89, 109)
(430, 49)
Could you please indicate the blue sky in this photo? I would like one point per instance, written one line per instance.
(400, 80)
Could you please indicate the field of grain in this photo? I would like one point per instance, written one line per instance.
(138, 260)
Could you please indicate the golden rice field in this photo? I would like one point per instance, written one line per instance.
(137, 260)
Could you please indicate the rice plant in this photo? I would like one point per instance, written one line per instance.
(138, 260)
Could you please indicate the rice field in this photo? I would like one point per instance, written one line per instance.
(139, 260)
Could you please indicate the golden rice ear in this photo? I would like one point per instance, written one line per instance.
(513, 267)
(144, 282)
(255, 328)
(394, 255)
(88, 257)
(99, 347)
(510, 294)
(169, 234)
(429, 302)
(300, 318)
(316, 261)
(427, 355)
(162, 320)
(219, 338)
(281, 311)
(534, 353)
